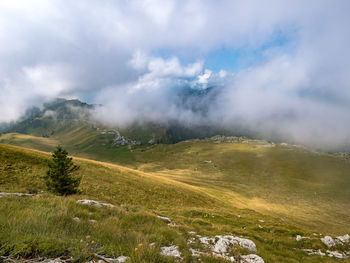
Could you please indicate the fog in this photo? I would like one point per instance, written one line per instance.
(144, 60)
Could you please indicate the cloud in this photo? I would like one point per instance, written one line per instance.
(137, 57)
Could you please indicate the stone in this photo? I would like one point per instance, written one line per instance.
(76, 219)
(336, 254)
(171, 251)
(310, 251)
(328, 241)
(299, 237)
(251, 258)
(167, 220)
(221, 244)
(121, 259)
(14, 194)
(343, 239)
(94, 203)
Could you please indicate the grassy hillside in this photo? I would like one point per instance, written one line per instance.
(310, 188)
(44, 225)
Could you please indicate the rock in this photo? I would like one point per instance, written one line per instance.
(299, 237)
(196, 253)
(192, 233)
(76, 219)
(122, 259)
(191, 240)
(171, 251)
(251, 258)
(261, 221)
(92, 221)
(328, 241)
(336, 254)
(343, 239)
(209, 241)
(310, 251)
(167, 220)
(221, 244)
(93, 202)
(15, 194)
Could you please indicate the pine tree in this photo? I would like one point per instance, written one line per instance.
(59, 177)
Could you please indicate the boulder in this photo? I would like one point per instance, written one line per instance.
(328, 241)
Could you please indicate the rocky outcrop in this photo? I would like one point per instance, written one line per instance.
(220, 246)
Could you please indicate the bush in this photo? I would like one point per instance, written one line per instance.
(59, 178)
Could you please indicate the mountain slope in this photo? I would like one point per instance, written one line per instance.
(44, 224)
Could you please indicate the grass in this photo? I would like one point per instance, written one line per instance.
(201, 185)
(44, 225)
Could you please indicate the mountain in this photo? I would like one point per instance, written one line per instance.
(61, 117)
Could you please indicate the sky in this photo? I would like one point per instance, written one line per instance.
(281, 67)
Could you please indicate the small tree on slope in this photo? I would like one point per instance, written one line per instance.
(59, 178)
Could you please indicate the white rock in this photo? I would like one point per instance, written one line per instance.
(328, 241)
(167, 220)
(122, 259)
(93, 202)
(252, 258)
(221, 244)
(92, 221)
(336, 254)
(310, 251)
(209, 241)
(172, 251)
(246, 243)
(76, 219)
(299, 237)
(196, 252)
(15, 194)
(192, 233)
(191, 240)
(343, 239)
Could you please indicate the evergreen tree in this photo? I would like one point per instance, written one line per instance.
(59, 177)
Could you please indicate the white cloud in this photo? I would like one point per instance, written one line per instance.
(204, 78)
(63, 48)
